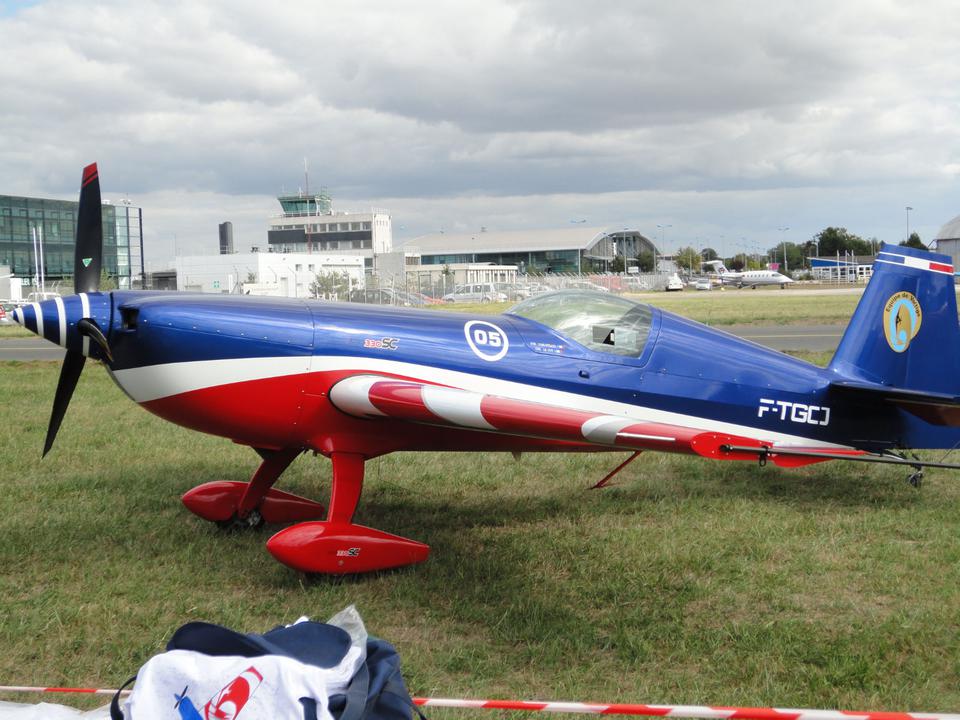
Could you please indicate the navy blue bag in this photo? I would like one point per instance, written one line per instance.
(376, 692)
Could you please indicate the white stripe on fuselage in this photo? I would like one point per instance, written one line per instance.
(454, 406)
(39, 316)
(62, 317)
(153, 382)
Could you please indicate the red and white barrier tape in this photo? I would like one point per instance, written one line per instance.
(673, 711)
(682, 711)
(81, 691)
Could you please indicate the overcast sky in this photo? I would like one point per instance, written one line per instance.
(722, 120)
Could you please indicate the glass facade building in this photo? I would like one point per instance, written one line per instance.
(558, 261)
(557, 250)
(26, 223)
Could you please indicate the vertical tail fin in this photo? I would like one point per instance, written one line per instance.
(904, 332)
(716, 266)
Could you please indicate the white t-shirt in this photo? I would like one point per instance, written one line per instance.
(187, 685)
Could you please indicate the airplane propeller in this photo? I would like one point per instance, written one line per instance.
(87, 261)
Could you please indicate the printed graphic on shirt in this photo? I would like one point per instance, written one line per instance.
(226, 704)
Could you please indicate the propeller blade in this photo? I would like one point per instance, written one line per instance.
(69, 374)
(90, 329)
(89, 248)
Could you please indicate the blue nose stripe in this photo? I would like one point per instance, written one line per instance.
(47, 314)
(18, 316)
(32, 319)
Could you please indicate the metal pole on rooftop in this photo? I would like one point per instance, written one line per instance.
(36, 260)
(908, 209)
(143, 269)
(43, 271)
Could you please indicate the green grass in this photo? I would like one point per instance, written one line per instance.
(729, 307)
(688, 582)
(761, 307)
(14, 331)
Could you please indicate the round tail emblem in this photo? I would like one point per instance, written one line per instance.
(901, 320)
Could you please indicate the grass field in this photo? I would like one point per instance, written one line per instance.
(731, 307)
(688, 582)
(14, 331)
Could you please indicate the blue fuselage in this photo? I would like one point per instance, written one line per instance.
(686, 368)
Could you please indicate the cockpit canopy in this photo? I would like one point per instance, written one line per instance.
(599, 321)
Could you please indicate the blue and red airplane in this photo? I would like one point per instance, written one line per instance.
(569, 371)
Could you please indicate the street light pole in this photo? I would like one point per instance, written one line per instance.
(908, 209)
(783, 242)
(663, 233)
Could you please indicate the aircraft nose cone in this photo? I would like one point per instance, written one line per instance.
(49, 319)
(18, 316)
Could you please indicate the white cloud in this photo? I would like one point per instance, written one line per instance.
(492, 112)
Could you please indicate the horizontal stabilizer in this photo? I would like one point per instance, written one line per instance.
(934, 408)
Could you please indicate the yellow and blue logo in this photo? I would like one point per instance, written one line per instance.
(901, 320)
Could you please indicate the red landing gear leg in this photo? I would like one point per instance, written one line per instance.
(336, 546)
(239, 504)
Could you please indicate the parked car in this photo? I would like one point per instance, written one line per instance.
(536, 288)
(385, 296)
(6, 315)
(633, 284)
(475, 293)
(586, 285)
(513, 291)
(674, 283)
(424, 298)
(704, 284)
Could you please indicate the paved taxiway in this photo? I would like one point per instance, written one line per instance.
(817, 338)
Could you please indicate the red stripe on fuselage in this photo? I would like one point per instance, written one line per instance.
(294, 411)
(389, 397)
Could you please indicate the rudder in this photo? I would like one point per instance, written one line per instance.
(904, 332)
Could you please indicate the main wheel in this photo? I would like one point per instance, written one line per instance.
(235, 524)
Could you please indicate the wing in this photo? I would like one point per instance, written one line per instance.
(376, 396)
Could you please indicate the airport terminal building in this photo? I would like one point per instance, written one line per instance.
(35, 228)
(564, 250)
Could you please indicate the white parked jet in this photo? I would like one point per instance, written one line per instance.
(747, 278)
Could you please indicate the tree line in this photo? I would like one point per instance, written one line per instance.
(829, 242)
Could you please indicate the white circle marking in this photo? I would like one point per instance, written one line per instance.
(484, 337)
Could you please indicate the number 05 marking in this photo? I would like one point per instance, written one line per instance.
(487, 341)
